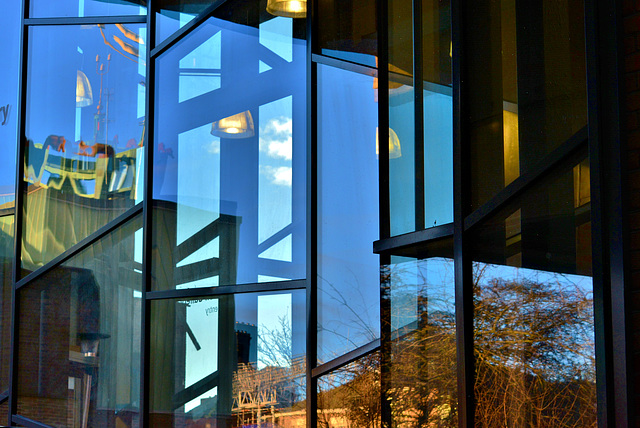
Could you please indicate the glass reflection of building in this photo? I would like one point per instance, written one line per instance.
(328, 213)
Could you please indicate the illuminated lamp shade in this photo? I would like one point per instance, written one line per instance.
(394, 144)
(84, 95)
(237, 126)
(288, 8)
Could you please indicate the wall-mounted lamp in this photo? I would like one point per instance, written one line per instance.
(237, 126)
(84, 95)
(287, 8)
(394, 144)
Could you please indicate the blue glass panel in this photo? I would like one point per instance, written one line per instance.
(235, 361)
(80, 8)
(9, 54)
(230, 155)
(348, 271)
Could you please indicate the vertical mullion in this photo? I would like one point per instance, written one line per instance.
(147, 219)
(603, 61)
(312, 220)
(18, 215)
(383, 118)
(418, 86)
(382, 13)
(463, 268)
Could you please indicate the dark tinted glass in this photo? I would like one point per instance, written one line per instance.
(348, 271)
(80, 8)
(230, 163)
(79, 330)
(228, 361)
(350, 396)
(422, 359)
(533, 308)
(348, 30)
(527, 83)
(6, 268)
(84, 127)
(9, 54)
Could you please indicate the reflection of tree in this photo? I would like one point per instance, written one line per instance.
(533, 343)
(535, 364)
(355, 326)
(350, 397)
(422, 368)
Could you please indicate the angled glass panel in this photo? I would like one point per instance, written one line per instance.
(6, 280)
(81, 8)
(528, 91)
(422, 379)
(350, 396)
(228, 361)
(85, 126)
(348, 30)
(9, 73)
(229, 161)
(348, 271)
(79, 336)
(533, 308)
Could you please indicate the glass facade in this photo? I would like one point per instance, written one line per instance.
(298, 213)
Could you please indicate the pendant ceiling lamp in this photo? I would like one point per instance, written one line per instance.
(237, 126)
(287, 8)
(394, 144)
(84, 95)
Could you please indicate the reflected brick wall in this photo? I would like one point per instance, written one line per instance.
(631, 177)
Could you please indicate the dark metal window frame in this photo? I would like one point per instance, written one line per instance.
(602, 19)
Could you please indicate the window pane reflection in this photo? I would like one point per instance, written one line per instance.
(6, 269)
(348, 271)
(81, 8)
(422, 365)
(232, 360)
(533, 308)
(528, 86)
(9, 51)
(79, 337)
(350, 396)
(85, 126)
(229, 163)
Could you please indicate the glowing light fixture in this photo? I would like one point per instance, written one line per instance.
(394, 144)
(288, 8)
(237, 126)
(84, 95)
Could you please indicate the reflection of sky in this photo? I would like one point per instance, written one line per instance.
(348, 271)
(213, 74)
(272, 313)
(72, 8)
(438, 159)
(10, 30)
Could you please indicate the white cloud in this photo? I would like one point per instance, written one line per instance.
(281, 175)
(276, 138)
(213, 147)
